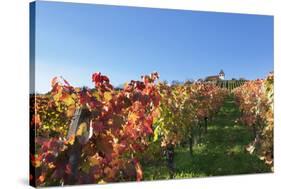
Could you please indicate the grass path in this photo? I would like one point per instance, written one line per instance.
(220, 151)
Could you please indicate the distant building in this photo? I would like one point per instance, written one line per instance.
(218, 77)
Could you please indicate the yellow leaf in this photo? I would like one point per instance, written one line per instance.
(94, 160)
(37, 163)
(82, 129)
(70, 111)
(107, 96)
(86, 167)
(101, 182)
(71, 140)
(57, 97)
(51, 165)
(68, 100)
(96, 94)
(133, 117)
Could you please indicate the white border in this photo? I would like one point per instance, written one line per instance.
(14, 91)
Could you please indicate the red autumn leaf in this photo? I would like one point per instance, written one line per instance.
(138, 170)
(68, 169)
(96, 77)
(54, 81)
(30, 177)
(50, 158)
(41, 178)
(36, 120)
(148, 125)
(97, 126)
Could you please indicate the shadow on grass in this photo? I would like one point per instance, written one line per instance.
(220, 152)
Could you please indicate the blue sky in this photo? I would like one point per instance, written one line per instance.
(75, 40)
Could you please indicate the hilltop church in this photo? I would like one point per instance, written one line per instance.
(218, 77)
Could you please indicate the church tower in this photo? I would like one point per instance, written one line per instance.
(221, 75)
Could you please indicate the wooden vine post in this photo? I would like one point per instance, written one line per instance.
(81, 115)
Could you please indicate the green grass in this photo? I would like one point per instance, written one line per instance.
(221, 151)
